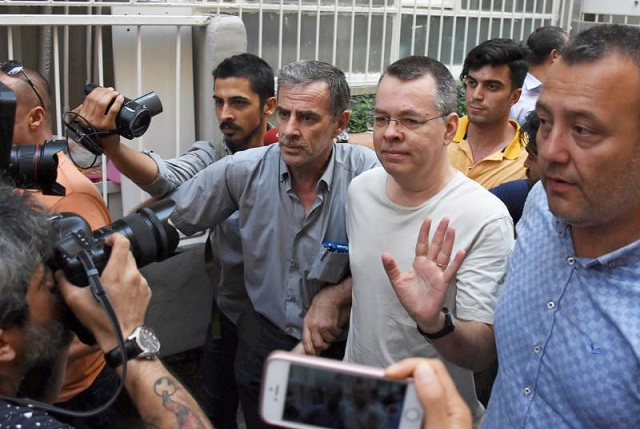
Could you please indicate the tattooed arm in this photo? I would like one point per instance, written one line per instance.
(161, 399)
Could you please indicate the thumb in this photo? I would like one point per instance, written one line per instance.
(432, 397)
(391, 267)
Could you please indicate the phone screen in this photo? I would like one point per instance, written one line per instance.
(343, 401)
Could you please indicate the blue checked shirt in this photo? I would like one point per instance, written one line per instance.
(567, 331)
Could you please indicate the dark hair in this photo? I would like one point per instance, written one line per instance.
(544, 40)
(25, 242)
(307, 71)
(528, 133)
(602, 40)
(413, 67)
(496, 52)
(251, 67)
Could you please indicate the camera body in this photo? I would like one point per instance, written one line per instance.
(29, 166)
(132, 120)
(152, 239)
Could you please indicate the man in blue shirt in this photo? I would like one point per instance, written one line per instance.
(568, 321)
(567, 324)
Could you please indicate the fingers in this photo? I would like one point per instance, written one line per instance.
(443, 405)
(422, 246)
(453, 267)
(307, 342)
(433, 252)
(70, 292)
(447, 246)
(431, 395)
(391, 267)
(120, 253)
(402, 369)
(101, 106)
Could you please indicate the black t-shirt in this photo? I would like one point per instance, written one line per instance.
(19, 417)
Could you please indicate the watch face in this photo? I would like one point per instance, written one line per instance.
(148, 341)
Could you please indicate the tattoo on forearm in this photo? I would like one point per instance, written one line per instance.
(187, 419)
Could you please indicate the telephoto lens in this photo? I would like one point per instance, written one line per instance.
(152, 239)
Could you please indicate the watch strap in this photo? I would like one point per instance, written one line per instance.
(448, 327)
(114, 357)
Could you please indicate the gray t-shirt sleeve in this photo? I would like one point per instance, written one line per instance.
(174, 172)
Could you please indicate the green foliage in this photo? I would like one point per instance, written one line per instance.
(361, 110)
(462, 104)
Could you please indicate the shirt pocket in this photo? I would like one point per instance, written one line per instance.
(329, 267)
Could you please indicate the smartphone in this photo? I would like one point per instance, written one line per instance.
(301, 391)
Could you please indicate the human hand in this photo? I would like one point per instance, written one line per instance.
(444, 407)
(422, 289)
(95, 109)
(127, 289)
(323, 322)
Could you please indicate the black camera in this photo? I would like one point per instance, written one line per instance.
(29, 166)
(132, 120)
(152, 239)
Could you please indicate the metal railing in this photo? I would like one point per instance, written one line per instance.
(359, 36)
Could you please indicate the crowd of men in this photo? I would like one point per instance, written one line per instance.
(436, 267)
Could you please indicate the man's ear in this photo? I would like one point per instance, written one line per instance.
(37, 118)
(269, 106)
(515, 96)
(341, 122)
(451, 127)
(7, 352)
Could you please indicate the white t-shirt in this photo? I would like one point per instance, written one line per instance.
(381, 330)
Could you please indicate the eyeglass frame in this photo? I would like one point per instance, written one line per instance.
(399, 121)
(12, 68)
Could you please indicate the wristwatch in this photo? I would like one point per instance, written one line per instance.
(449, 327)
(141, 344)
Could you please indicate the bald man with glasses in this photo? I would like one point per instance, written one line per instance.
(88, 382)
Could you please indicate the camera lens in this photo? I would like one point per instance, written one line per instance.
(35, 166)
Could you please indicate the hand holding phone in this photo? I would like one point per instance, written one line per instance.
(311, 392)
(436, 392)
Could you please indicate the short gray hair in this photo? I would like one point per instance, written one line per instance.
(308, 71)
(25, 243)
(445, 97)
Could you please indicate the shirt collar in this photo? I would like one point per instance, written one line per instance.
(627, 255)
(327, 175)
(513, 149)
(531, 82)
(226, 146)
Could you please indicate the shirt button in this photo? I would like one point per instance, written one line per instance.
(293, 265)
(571, 260)
(291, 298)
(527, 390)
(611, 264)
(470, 167)
(290, 330)
(551, 305)
(537, 349)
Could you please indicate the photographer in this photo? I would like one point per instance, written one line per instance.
(87, 381)
(33, 305)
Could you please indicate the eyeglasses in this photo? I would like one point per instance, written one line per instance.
(12, 68)
(406, 123)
